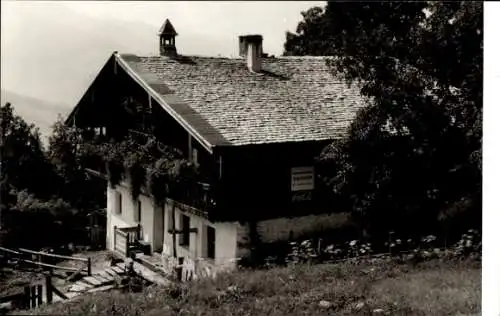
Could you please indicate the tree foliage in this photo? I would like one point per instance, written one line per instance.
(82, 191)
(23, 161)
(30, 185)
(142, 160)
(413, 153)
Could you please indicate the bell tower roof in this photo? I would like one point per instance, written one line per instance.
(167, 29)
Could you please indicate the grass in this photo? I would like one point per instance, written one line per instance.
(432, 288)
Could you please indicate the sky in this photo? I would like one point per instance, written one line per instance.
(52, 50)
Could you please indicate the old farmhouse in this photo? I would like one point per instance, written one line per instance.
(252, 124)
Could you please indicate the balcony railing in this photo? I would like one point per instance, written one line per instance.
(127, 239)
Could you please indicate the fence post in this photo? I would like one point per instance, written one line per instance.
(89, 267)
(33, 295)
(39, 294)
(126, 245)
(26, 299)
(114, 237)
(48, 287)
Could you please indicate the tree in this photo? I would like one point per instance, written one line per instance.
(419, 65)
(82, 191)
(23, 162)
(28, 182)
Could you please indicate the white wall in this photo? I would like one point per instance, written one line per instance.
(225, 238)
(225, 233)
(127, 216)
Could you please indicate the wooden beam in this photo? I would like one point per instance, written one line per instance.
(48, 265)
(53, 255)
(95, 173)
(58, 293)
(9, 251)
(220, 167)
(190, 147)
(191, 230)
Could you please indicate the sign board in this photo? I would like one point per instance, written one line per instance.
(302, 179)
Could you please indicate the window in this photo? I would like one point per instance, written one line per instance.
(210, 242)
(184, 236)
(118, 203)
(138, 211)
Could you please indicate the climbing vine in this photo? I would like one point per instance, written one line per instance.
(148, 165)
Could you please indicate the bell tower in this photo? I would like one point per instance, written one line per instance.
(167, 36)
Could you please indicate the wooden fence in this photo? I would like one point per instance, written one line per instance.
(126, 238)
(32, 295)
(37, 259)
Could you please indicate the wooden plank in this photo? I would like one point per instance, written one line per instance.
(102, 279)
(150, 275)
(74, 274)
(47, 265)
(105, 276)
(118, 270)
(121, 233)
(92, 280)
(83, 284)
(78, 288)
(121, 265)
(71, 295)
(9, 251)
(59, 293)
(53, 255)
(101, 288)
(111, 272)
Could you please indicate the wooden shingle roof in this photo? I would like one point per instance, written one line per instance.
(293, 98)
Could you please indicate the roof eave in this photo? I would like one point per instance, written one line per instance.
(75, 109)
(202, 140)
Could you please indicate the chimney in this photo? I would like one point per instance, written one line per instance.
(251, 48)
